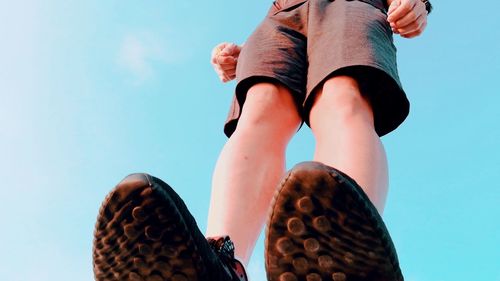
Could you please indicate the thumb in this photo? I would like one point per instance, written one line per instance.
(218, 49)
(393, 6)
(229, 49)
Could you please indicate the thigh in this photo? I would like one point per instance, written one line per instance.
(345, 33)
(274, 53)
(353, 38)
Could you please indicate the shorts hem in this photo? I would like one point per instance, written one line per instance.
(241, 91)
(389, 101)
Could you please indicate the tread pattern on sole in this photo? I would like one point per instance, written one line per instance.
(322, 227)
(141, 236)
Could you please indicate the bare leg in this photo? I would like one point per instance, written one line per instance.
(342, 123)
(250, 167)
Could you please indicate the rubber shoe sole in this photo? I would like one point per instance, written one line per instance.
(141, 235)
(322, 226)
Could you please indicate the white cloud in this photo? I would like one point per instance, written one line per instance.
(134, 56)
(139, 52)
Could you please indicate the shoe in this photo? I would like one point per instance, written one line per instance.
(322, 226)
(144, 232)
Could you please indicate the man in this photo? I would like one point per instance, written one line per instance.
(330, 64)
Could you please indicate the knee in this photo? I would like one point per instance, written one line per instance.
(269, 107)
(340, 102)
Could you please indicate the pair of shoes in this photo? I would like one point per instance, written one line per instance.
(322, 226)
(144, 232)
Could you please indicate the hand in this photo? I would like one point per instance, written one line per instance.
(407, 18)
(224, 60)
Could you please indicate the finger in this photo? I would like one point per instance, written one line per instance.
(412, 27)
(225, 60)
(213, 57)
(409, 28)
(404, 8)
(237, 50)
(230, 71)
(219, 47)
(228, 49)
(232, 48)
(227, 67)
(228, 78)
(224, 78)
(231, 74)
(393, 6)
(222, 45)
(415, 33)
(411, 35)
(412, 16)
(394, 28)
(407, 19)
(216, 51)
(225, 73)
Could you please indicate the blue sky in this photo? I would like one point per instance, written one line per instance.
(91, 91)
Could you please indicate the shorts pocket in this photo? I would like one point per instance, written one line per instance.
(289, 5)
(379, 4)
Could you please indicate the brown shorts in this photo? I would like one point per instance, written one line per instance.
(302, 43)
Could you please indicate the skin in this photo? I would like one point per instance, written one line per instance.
(224, 60)
(252, 162)
(407, 18)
